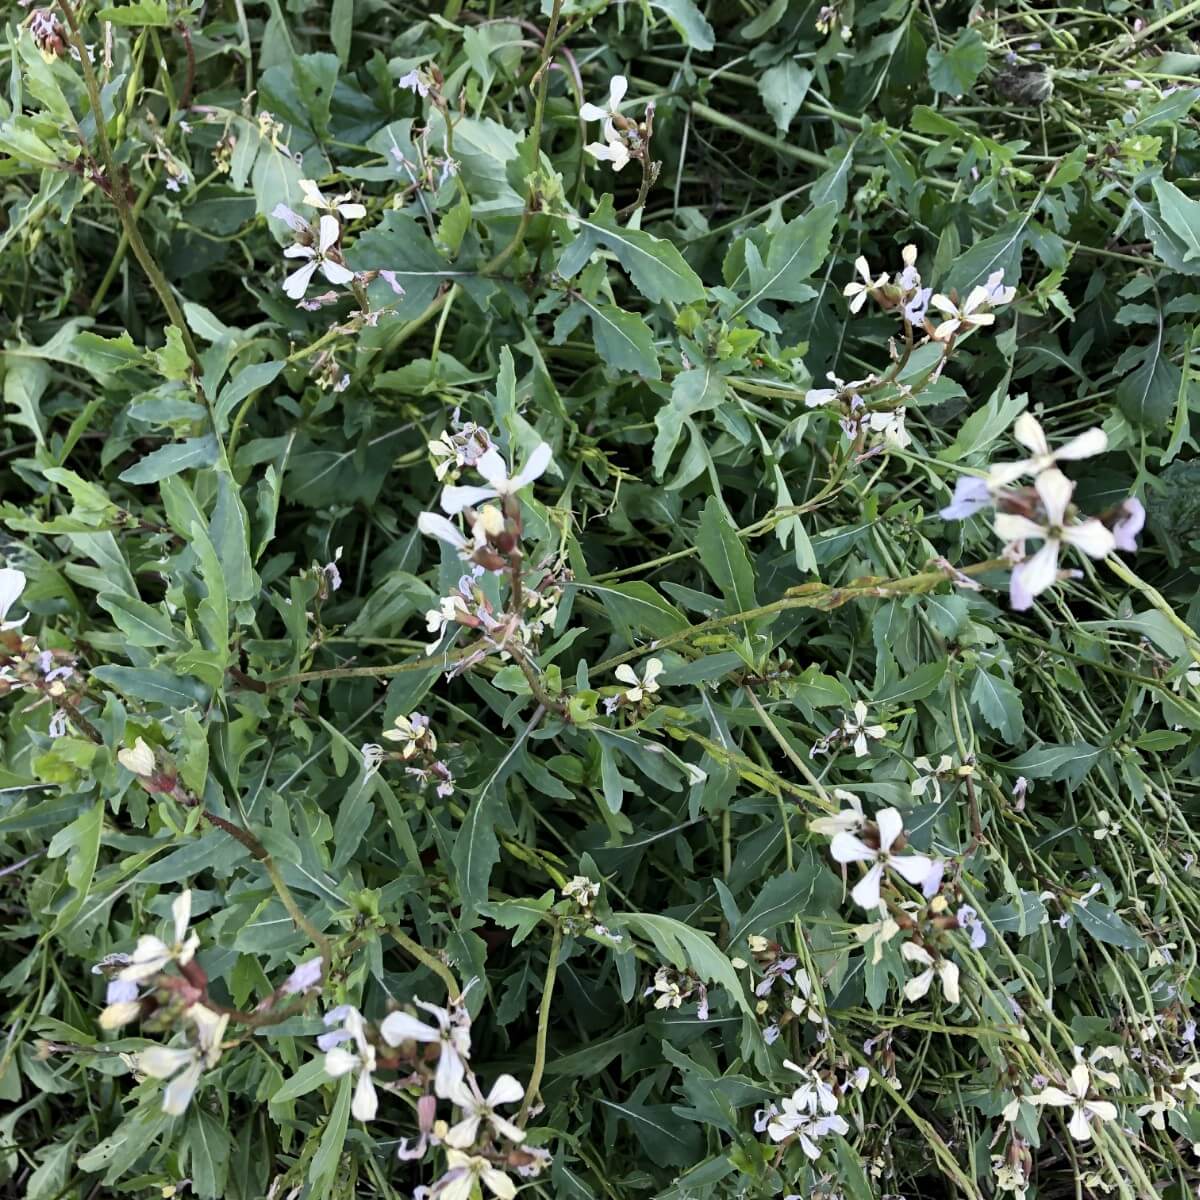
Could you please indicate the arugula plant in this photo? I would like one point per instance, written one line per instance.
(599, 600)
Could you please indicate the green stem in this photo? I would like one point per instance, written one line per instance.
(116, 191)
(539, 111)
(543, 1030)
(439, 968)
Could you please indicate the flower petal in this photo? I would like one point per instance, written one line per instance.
(365, 1104)
(1027, 430)
(12, 584)
(177, 1095)
(1084, 445)
(913, 867)
(506, 1090)
(1034, 576)
(1093, 538)
(296, 284)
(535, 468)
(455, 499)
(335, 272)
(891, 826)
(399, 1027)
(866, 891)
(1054, 489)
(617, 88)
(437, 526)
(330, 229)
(847, 847)
(916, 987)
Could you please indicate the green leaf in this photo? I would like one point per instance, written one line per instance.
(954, 72)
(1070, 762)
(142, 624)
(688, 21)
(308, 1078)
(82, 840)
(916, 685)
(1182, 216)
(1105, 925)
(1147, 395)
(170, 460)
(209, 1148)
(145, 12)
(341, 26)
(684, 947)
(787, 896)
(623, 340)
(152, 685)
(724, 557)
(639, 607)
(25, 381)
(323, 1170)
(783, 88)
(796, 251)
(657, 269)
(999, 704)
(523, 916)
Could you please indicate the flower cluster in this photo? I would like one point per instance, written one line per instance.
(417, 749)
(805, 1117)
(483, 1143)
(1044, 512)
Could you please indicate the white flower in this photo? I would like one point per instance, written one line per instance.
(314, 199)
(500, 484)
(801, 1002)
(414, 733)
(465, 1170)
(928, 774)
(582, 890)
(479, 1109)
(943, 968)
(419, 81)
(449, 610)
(138, 759)
(796, 1120)
(1075, 1097)
(183, 1067)
(296, 284)
(857, 730)
(670, 994)
(339, 1061)
(617, 88)
(614, 148)
(12, 584)
(1028, 431)
(646, 686)
(891, 425)
(849, 847)
(452, 1031)
(814, 1095)
(972, 313)
(1130, 520)
(153, 954)
(856, 292)
(849, 819)
(1036, 574)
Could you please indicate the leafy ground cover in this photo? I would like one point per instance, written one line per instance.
(599, 600)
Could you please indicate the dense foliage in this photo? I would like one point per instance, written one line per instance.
(576, 616)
